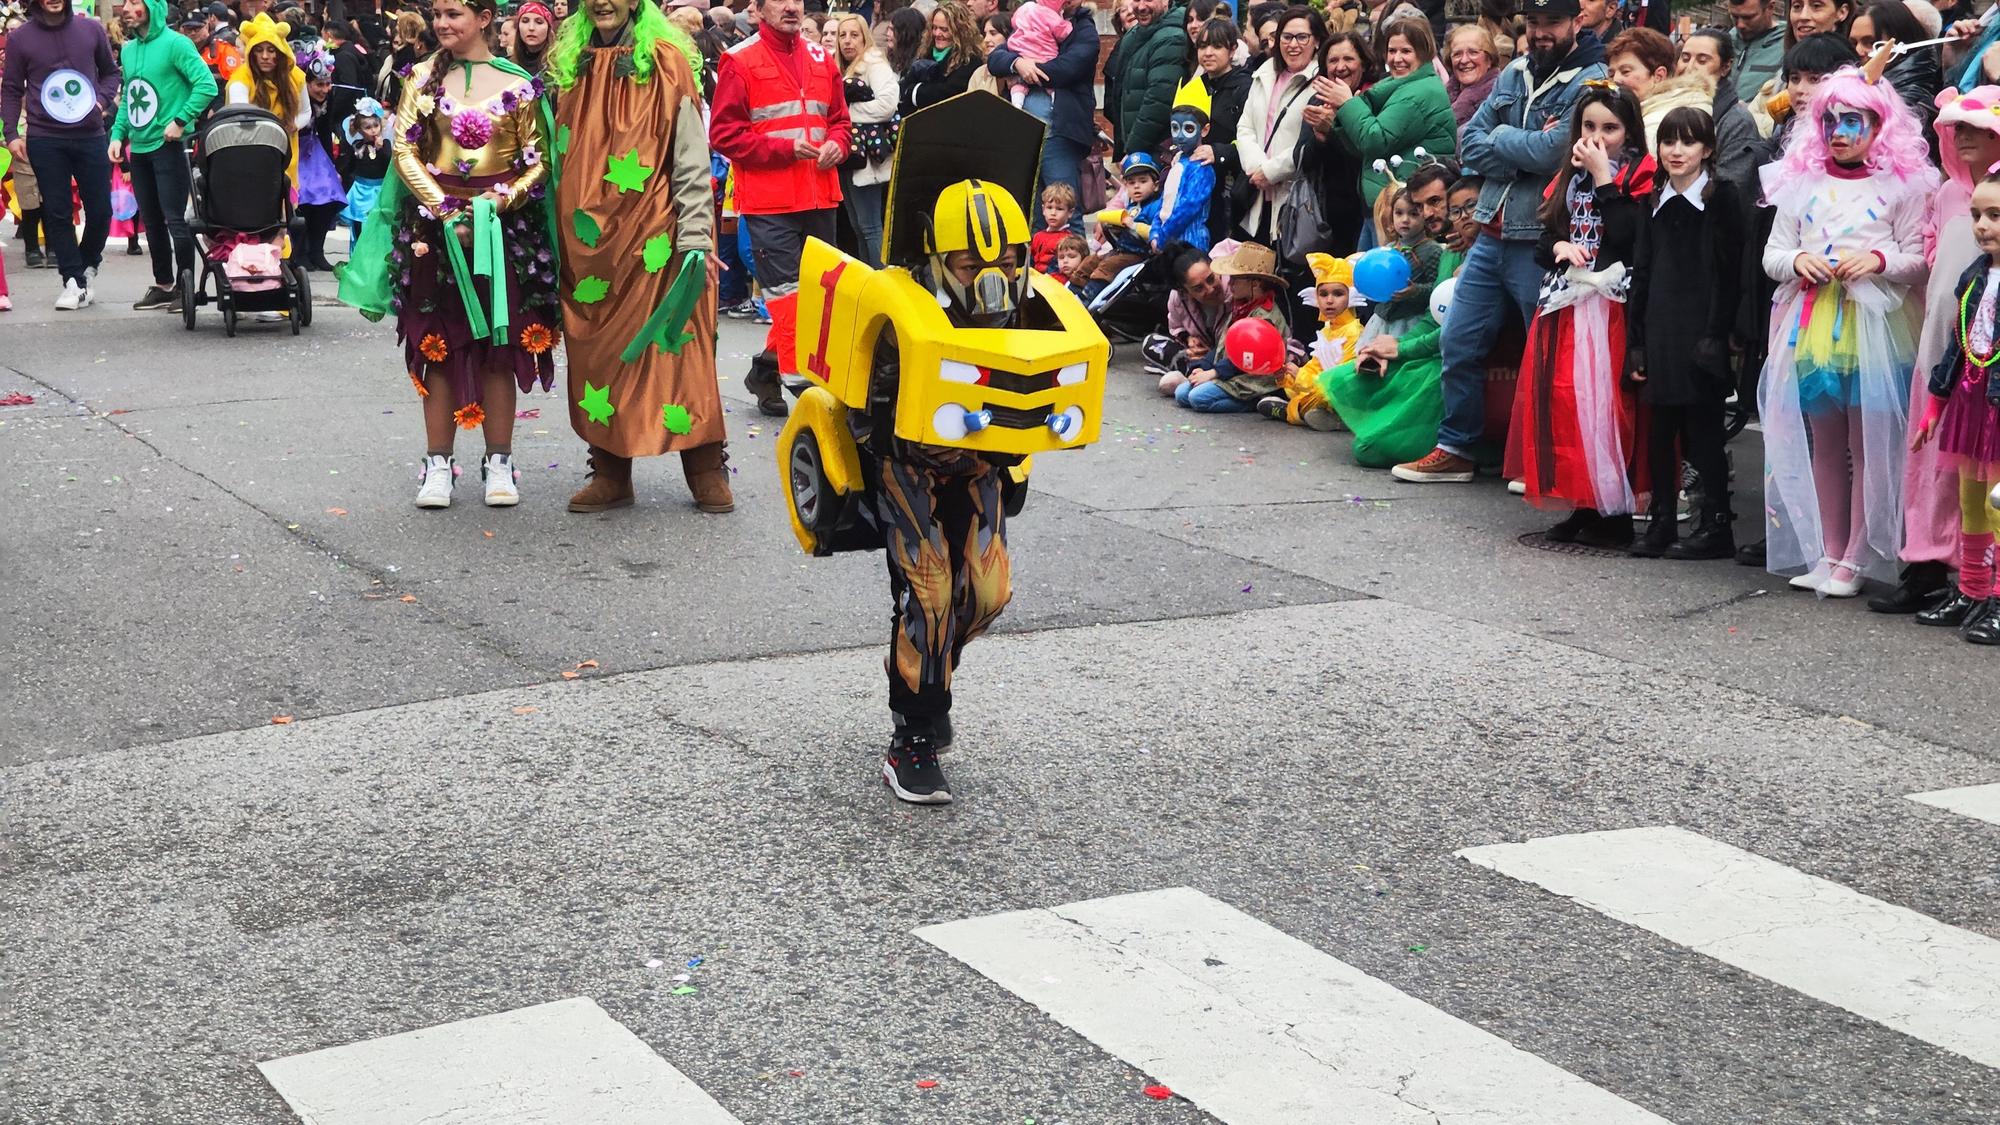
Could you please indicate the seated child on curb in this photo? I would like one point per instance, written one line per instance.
(1058, 205)
(1399, 313)
(1128, 229)
(1299, 399)
(1068, 264)
(1213, 385)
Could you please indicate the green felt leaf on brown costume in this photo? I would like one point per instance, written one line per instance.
(591, 290)
(676, 419)
(587, 230)
(562, 141)
(627, 173)
(657, 251)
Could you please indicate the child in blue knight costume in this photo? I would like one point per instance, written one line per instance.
(1190, 183)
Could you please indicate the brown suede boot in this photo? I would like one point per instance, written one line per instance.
(707, 469)
(610, 484)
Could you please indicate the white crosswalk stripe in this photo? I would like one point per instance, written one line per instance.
(566, 1061)
(1981, 802)
(1259, 1028)
(1905, 970)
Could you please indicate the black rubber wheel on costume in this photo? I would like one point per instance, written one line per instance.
(228, 315)
(305, 312)
(188, 295)
(818, 507)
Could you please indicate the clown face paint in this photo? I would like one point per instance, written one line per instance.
(1848, 131)
(1185, 129)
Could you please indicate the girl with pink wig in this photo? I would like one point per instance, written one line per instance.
(1852, 193)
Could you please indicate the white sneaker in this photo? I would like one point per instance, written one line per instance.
(1517, 487)
(497, 471)
(435, 492)
(72, 297)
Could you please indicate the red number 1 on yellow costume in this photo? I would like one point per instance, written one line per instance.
(828, 281)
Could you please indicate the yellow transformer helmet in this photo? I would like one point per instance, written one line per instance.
(982, 218)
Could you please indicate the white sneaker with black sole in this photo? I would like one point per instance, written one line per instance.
(502, 481)
(439, 472)
(73, 297)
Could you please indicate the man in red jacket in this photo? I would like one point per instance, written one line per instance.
(780, 117)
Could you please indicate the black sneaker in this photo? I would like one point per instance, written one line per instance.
(1272, 406)
(910, 769)
(157, 297)
(762, 382)
(36, 260)
(742, 310)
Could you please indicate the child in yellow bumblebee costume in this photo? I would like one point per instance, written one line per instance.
(934, 380)
(1299, 399)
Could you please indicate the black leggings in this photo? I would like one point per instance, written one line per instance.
(1693, 432)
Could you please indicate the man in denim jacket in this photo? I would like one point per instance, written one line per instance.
(1516, 140)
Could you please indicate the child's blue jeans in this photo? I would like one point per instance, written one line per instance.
(1209, 398)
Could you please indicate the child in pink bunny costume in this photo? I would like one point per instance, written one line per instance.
(1968, 131)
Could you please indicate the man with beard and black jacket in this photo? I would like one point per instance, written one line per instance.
(1516, 141)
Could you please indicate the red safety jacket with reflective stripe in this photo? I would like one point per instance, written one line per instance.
(776, 109)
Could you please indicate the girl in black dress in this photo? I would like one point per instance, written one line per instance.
(1685, 287)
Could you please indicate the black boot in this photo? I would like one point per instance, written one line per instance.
(1924, 586)
(1571, 526)
(1659, 541)
(1712, 538)
(1751, 554)
(1610, 532)
(1982, 625)
(1955, 609)
(1661, 530)
(762, 381)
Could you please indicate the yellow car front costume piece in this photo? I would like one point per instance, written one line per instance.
(1034, 386)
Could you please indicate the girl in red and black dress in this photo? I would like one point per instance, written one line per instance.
(1574, 436)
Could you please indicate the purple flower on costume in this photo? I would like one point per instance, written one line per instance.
(446, 106)
(541, 255)
(471, 127)
(453, 203)
(531, 156)
(463, 167)
(535, 86)
(414, 134)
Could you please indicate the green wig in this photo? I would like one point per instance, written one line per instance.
(649, 27)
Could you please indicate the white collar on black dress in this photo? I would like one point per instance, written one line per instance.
(1692, 195)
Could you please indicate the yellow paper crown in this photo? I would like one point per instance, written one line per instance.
(1194, 95)
(1326, 267)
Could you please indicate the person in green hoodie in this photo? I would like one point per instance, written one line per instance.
(167, 85)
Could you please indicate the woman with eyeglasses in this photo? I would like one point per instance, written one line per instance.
(1268, 133)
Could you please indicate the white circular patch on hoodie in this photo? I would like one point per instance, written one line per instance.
(68, 97)
(142, 103)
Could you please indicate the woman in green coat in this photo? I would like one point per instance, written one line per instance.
(1406, 111)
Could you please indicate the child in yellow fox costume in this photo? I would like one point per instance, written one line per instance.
(1299, 399)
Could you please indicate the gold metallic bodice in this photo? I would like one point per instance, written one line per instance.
(516, 146)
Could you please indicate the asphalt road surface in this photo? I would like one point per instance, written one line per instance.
(1288, 793)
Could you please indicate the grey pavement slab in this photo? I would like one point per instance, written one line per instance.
(177, 913)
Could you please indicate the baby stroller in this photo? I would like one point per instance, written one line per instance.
(1135, 303)
(243, 219)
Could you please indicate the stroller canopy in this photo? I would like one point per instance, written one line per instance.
(242, 126)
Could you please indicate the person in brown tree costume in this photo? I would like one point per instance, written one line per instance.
(636, 217)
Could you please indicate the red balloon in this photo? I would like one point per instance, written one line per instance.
(1254, 346)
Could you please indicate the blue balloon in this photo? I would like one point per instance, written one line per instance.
(1381, 273)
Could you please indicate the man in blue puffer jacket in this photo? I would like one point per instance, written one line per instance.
(1516, 140)
(1070, 78)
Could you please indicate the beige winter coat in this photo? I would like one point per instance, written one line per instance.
(1268, 145)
